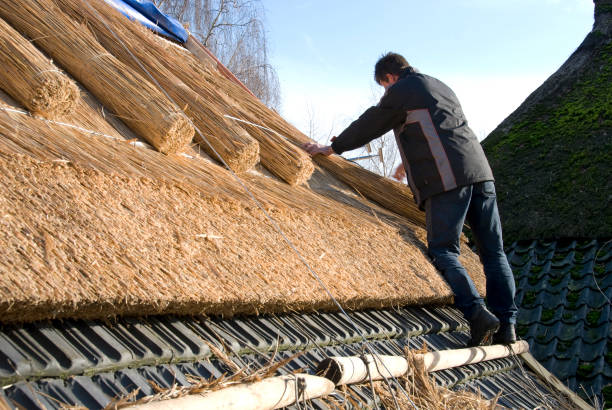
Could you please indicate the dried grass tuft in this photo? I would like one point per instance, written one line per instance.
(140, 105)
(427, 395)
(32, 79)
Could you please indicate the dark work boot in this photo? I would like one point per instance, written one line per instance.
(505, 335)
(482, 327)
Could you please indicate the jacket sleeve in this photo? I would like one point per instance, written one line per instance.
(373, 123)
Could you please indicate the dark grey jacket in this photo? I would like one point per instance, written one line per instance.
(439, 151)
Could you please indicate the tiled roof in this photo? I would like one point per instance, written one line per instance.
(564, 290)
(89, 363)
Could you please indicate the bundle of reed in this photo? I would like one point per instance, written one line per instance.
(32, 79)
(391, 194)
(141, 105)
(233, 144)
(278, 155)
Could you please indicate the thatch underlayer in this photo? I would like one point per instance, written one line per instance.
(119, 230)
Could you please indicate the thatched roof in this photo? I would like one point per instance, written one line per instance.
(551, 157)
(97, 225)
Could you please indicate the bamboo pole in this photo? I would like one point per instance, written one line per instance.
(351, 370)
(32, 79)
(233, 144)
(270, 393)
(140, 105)
(447, 359)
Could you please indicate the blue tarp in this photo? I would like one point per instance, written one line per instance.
(147, 14)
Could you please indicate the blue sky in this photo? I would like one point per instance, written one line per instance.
(493, 53)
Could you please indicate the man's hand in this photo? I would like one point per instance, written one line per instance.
(400, 172)
(313, 149)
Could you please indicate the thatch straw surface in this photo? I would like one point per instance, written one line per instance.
(32, 79)
(239, 150)
(141, 105)
(118, 230)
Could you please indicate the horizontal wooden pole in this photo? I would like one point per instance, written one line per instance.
(270, 393)
(447, 359)
(350, 370)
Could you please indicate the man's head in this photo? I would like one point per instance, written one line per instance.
(388, 69)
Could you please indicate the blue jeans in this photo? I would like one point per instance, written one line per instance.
(446, 213)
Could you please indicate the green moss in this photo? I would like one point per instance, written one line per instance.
(576, 272)
(540, 337)
(593, 316)
(521, 330)
(547, 315)
(567, 316)
(555, 280)
(609, 353)
(536, 269)
(533, 280)
(599, 269)
(563, 346)
(572, 296)
(607, 396)
(602, 8)
(558, 257)
(529, 298)
(584, 369)
(578, 256)
(552, 162)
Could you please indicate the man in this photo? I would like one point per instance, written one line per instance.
(451, 180)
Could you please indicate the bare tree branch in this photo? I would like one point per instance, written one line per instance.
(234, 31)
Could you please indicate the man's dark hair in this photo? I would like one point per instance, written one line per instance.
(390, 63)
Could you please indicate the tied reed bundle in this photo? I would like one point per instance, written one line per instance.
(391, 194)
(278, 155)
(32, 79)
(230, 141)
(140, 105)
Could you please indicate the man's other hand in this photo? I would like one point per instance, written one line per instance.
(400, 172)
(313, 149)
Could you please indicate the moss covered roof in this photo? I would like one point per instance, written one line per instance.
(551, 157)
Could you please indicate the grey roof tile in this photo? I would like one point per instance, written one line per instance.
(564, 292)
(438, 328)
